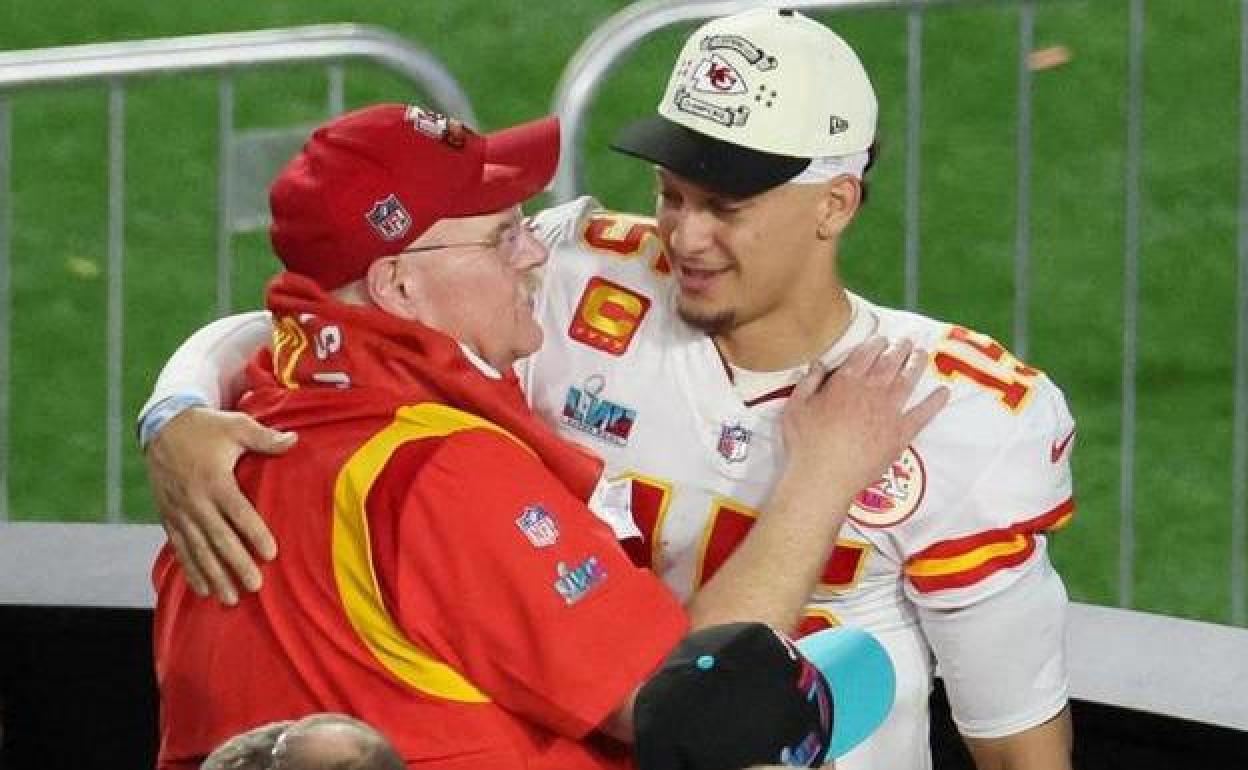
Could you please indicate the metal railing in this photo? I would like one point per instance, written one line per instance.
(116, 64)
(612, 41)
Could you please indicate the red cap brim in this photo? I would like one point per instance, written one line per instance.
(519, 163)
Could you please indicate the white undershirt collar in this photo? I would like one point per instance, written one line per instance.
(482, 365)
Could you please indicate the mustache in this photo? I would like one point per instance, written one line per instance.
(531, 282)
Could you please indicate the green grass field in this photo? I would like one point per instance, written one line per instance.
(508, 55)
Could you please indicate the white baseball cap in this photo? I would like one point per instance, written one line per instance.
(753, 98)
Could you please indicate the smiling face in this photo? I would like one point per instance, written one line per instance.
(746, 261)
(473, 279)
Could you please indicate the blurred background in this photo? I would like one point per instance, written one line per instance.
(508, 55)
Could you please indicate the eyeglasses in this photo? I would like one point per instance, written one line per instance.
(509, 242)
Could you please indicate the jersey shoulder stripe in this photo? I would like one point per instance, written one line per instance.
(967, 560)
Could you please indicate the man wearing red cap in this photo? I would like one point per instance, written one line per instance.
(443, 575)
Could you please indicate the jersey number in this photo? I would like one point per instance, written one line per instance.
(983, 361)
(628, 238)
(728, 525)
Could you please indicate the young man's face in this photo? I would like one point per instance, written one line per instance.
(740, 260)
(479, 277)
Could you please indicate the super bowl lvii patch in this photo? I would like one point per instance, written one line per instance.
(574, 582)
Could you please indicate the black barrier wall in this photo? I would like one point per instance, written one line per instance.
(77, 691)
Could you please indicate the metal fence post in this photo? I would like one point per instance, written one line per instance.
(1022, 235)
(116, 289)
(1130, 302)
(225, 183)
(914, 160)
(1239, 435)
(6, 296)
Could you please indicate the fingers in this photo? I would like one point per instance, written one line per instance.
(206, 546)
(218, 517)
(810, 382)
(202, 551)
(195, 577)
(907, 378)
(883, 361)
(891, 361)
(863, 357)
(212, 526)
(238, 510)
(857, 421)
(255, 437)
(913, 368)
(879, 359)
(918, 416)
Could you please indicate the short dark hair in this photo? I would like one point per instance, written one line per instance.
(873, 154)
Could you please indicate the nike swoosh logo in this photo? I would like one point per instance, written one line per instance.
(1059, 447)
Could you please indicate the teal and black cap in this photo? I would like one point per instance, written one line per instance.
(743, 694)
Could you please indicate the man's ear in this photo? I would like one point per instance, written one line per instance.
(840, 201)
(391, 286)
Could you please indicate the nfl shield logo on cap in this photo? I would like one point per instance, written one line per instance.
(389, 218)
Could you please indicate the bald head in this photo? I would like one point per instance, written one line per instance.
(333, 742)
(317, 742)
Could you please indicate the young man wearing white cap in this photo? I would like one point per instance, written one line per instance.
(760, 146)
(671, 346)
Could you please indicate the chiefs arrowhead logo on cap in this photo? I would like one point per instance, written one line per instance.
(717, 76)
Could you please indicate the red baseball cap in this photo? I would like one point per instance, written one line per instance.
(368, 183)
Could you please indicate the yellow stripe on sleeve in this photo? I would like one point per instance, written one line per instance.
(352, 554)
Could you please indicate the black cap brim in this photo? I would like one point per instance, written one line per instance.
(706, 161)
(732, 696)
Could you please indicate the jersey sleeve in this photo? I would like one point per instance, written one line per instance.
(1004, 659)
(511, 580)
(979, 489)
(997, 481)
(211, 363)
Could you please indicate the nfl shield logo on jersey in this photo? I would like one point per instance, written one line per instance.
(734, 441)
(389, 218)
(538, 526)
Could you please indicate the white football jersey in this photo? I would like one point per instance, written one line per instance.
(958, 518)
